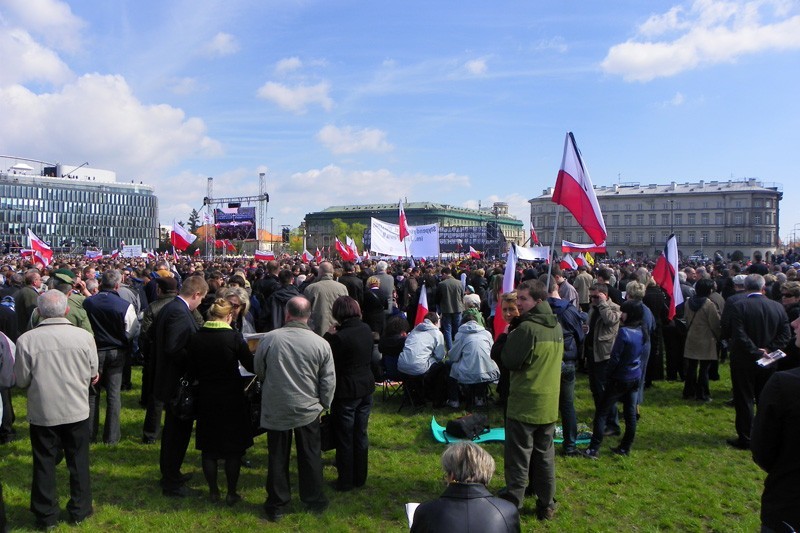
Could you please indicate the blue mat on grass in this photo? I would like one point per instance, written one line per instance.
(494, 434)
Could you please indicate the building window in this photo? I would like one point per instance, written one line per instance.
(691, 217)
(627, 237)
(718, 237)
(691, 237)
(720, 204)
(768, 203)
(756, 237)
(737, 238)
(640, 237)
(679, 219)
(718, 219)
(705, 205)
(640, 220)
(665, 219)
(627, 220)
(703, 238)
(756, 203)
(627, 207)
(614, 237)
(757, 218)
(651, 219)
(704, 219)
(615, 220)
(738, 203)
(652, 237)
(737, 219)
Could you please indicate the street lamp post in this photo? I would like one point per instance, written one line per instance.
(671, 217)
(271, 236)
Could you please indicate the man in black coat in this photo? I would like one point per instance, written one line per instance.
(758, 326)
(355, 287)
(776, 431)
(174, 325)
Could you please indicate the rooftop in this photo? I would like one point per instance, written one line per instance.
(635, 188)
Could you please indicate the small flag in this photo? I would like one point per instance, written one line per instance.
(473, 253)
(41, 251)
(403, 223)
(665, 273)
(261, 255)
(180, 238)
(422, 306)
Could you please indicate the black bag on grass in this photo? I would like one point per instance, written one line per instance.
(469, 426)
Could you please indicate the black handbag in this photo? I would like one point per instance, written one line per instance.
(253, 394)
(327, 436)
(469, 426)
(184, 404)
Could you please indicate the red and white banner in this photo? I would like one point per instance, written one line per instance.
(318, 256)
(568, 263)
(534, 237)
(261, 255)
(665, 273)
(473, 253)
(344, 251)
(574, 190)
(422, 306)
(499, 323)
(403, 223)
(567, 246)
(307, 256)
(351, 245)
(180, 238)
(41, 251)
(93, 254)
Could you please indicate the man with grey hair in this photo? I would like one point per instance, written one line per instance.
(114, 323)
(296, 367)
(387, 287)
(57, 362)
(322, 293)
(466, 504)
(758, 326)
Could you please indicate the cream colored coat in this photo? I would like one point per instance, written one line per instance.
(703, 332)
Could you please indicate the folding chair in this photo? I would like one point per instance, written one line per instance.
(413, 392)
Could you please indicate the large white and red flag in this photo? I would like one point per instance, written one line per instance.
(344, 251)
(307, 256)
(351, 245)
(574, 191)
(403, 223)
(665, 273)
(567, 246)
(499, 323)
(180, 238)
(568, 263)
(261, 255)
(473, 253)
(41, 251)
(318, 256)
(422, 306)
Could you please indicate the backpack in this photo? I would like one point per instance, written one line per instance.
(8, 301)
(470, 426)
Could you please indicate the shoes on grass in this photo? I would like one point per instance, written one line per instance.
(619, 450)
(739, 444)
(591, 453)
(453, 404)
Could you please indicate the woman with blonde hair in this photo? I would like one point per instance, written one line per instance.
(223, 421)
(240, 301)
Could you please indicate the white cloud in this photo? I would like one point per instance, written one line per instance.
(518, 205)
(288, 64)
(99, 119)
(677, 100)
(222, 44)
(26, 60)
(51, 19)
(297, 99)
(476, 67)
(707, 33)
(183, 86)
(556, 43)
(349, 141)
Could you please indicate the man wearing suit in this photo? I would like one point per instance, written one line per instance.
(450, 297)
(174, 325)
(758, 326)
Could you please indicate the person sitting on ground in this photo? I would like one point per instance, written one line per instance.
(470, 362)
(466, 504)
(422, 356)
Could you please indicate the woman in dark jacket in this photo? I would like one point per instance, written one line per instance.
(466, 504)
(351, 344)
(375, 306)
(623, 373)
(223, 421)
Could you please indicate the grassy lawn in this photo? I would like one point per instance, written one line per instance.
(681, 476)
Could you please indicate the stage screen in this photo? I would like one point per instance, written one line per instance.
(235, 223)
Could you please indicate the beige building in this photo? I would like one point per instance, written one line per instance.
(707, 217)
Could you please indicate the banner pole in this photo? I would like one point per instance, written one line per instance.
(552, 247)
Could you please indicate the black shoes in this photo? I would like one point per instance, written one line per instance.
(738, 443)
(232, 499)
(591, 453)
(619, 450)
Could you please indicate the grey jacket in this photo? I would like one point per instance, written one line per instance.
(322, 294)
(471, 355)
(296, 367)
(424, 346)
(56, 361)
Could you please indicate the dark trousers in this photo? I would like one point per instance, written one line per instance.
(529, 462)
(597, 384)
(655, 364)
(615, 391)
(566, 406)
(151, 429)
(111, 381)
(45, 443)
(309, 467)
(174, 443)
(351, 417)
(3, 523)
(7, 432)
(696, 383)
(747, 379)
(674, 342)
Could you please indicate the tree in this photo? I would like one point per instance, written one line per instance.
(296, 240)
(194, 220)
(355, 231)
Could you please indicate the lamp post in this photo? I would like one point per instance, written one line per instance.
(271, 236)
(671, 217)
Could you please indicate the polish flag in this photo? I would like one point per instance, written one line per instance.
(318, 256)
(665, 273)
(115, 254)
(197, 252)
(422, 306)
(473, 253)
(567, 246)
(568, 263)
(351, 245)
(403, 223)
(508, 285)
(41, 251)
(344, 251)
(580, 260)
(574, 191)
(151, 254)
(261, 255)
(180, 238)
(534, 237)
(307, 256)
(93, 254)
(229, 246)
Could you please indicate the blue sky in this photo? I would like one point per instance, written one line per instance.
(360, 102)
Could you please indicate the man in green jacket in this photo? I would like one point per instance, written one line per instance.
(533, 354)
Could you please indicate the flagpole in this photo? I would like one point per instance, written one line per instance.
(552, 247)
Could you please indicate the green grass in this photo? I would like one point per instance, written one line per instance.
(681, 476)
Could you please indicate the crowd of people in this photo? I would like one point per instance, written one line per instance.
(327, 333)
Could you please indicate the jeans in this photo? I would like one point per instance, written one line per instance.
(450, 323)
(643, 365)
(111, 380)
(351, 417)
(626, 392)
(597, 384)
(566, 406)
